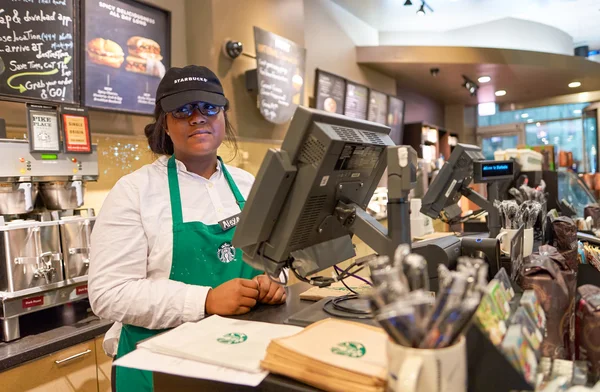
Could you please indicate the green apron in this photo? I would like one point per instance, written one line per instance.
(202, 256)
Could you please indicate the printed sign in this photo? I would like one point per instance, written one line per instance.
(37, 41)
(43, 130)
(355, 105)
(280, 74)
(378, 107)
(79, 290)
(33, 302)
(77, 138)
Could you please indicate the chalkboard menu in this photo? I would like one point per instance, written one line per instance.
(396, 119)
(378, 107)
(37, 40)
(280, 75)
(330, 91)
(126, 51)
(355, 104)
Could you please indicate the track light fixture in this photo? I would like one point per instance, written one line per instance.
(421, 10)
(470, 85)
(408, 2)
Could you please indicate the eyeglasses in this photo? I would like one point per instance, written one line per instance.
(205, 108)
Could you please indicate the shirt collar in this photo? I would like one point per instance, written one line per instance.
(163, 161)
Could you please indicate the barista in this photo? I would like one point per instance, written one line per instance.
(160, 258)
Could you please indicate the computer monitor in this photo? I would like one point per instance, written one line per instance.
(467, 164)
(307, 195)
(456, 174)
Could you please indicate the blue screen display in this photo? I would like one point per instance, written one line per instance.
(497, 169)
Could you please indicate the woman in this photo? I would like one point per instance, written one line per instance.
(159, 256)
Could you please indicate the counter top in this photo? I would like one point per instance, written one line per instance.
(273, 383)
(51, 330)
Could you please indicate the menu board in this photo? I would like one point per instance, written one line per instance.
(37, 40)
(330, 91)
(396, 119)
(280, 74)
(378, 107)
(126, 51)
(355, 104)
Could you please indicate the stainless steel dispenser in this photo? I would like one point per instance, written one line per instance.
(44, 256)
(75, 233)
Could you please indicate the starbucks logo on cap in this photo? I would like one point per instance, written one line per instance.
(233, 338)
(349, 349)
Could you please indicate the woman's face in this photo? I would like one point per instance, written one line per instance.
(197, 135)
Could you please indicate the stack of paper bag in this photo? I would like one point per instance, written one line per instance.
(235, 344)
(333, 355)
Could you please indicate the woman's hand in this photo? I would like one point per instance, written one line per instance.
(270, 293)
(236, 296)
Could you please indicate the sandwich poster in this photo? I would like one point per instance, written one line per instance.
(125, 54)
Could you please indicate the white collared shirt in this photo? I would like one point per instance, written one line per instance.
(132, 246)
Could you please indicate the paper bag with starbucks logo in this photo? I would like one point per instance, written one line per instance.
(333, 355)
(234, 344)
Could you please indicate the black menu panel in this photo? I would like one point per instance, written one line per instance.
(126, 51)
(378, 107)
(396, 119)
(37, 41)
(355, 105)
(330, 91)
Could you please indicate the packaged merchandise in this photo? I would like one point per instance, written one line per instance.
(543, 276)
(519, 353)
(587, 329)
(532, 333)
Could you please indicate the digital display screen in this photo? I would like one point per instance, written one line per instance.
(49, 157)
(498, 169)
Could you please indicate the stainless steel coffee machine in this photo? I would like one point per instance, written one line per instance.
(44, 235)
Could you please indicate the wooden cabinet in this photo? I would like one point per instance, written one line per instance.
(104, 364)
(71, 369)
(81, 368)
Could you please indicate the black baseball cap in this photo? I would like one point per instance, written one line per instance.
(192, 83)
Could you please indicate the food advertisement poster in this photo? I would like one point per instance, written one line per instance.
(76, 130)
(377, 107)
(329, 92)
(37, 41)
(357, 97)
(280, 73)
(126, 52)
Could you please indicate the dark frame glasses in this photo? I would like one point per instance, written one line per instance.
(186, 111)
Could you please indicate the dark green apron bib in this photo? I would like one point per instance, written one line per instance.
(202, 256)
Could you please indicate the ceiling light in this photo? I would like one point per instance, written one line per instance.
(484, 79)
(538, 124)
(577, 111)
(574, 84)
(470, 85)
(530, 120)
(500, 93)
(421, 10)
(524, 115)
(408, 2)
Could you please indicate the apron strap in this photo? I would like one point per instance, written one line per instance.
(236, 192)
(176, 210)
(174, 193)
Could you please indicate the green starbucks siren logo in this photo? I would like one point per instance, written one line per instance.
(233, 338)
(349, 349)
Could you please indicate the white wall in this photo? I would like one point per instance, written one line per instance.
(507, 33)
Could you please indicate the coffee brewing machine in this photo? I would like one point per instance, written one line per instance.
(44, 232)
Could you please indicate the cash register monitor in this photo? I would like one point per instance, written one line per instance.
(293, 211)
(445, 190)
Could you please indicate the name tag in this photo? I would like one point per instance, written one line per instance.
(230, 222)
